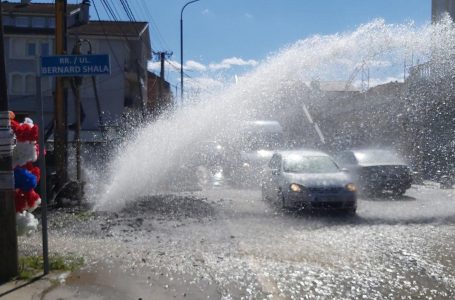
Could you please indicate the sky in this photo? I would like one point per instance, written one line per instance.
(233, 36)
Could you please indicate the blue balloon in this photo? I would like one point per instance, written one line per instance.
(24, 180)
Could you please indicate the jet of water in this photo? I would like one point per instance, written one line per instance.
(275, 89)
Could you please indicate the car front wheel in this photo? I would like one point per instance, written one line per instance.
(399, 191)
(351, 211)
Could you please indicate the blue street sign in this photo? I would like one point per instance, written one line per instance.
(75, 65)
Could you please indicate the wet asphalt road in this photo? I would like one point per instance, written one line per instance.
(224, 243)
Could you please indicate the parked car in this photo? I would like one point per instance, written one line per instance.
(308, 179)
(251, 151)
(377, 170)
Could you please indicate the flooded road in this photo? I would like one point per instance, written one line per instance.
(220, 242)
(225, 243)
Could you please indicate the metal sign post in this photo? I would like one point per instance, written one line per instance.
(42, 166)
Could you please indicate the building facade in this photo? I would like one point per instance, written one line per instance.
(159, 95)
(29, 33)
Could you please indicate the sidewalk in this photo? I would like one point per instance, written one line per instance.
(31, 289)
(112, 283)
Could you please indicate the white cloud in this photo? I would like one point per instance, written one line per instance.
(192, 65)
(170, 65)
(153, 65)
(205, 79)
(233, 61)
(173, 65)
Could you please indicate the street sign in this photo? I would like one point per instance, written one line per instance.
(75, 65)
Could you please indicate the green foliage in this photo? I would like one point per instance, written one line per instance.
(31, 266)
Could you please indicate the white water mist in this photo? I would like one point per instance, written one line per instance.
(158, 148)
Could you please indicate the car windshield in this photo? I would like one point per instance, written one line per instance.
(379, 157)
(309, 164)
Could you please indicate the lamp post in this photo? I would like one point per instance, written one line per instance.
(181, 47)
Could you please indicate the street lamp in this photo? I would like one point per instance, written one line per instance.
(181, 47)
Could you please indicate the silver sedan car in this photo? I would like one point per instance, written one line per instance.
(308, 179)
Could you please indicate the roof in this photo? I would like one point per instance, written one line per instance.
(111, 28)
(34, 8)
(368, 150)
(303, 153)
(335, 86)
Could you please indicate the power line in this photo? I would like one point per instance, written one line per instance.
(128, 11)
(107, 38)
(149, 14)
(110, 11)
(113, 12)
(178, 68)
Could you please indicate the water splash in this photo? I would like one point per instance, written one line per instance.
(273, 90)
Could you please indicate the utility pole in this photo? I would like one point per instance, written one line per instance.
(8, 235)
(163, 55)
(162, 58)
(77, 82)
(60, 131)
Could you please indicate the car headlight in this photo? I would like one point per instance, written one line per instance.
(351, 187)
(295, 187)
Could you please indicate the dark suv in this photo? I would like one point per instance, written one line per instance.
(376, 170)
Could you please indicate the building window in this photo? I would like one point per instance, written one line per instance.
(22, 22)
(28, 49)
(31, 49)
(17, 48)
(38, 22)
(51, 23)
(23, 84)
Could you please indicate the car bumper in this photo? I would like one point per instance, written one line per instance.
(322, 201)
(390, 185)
